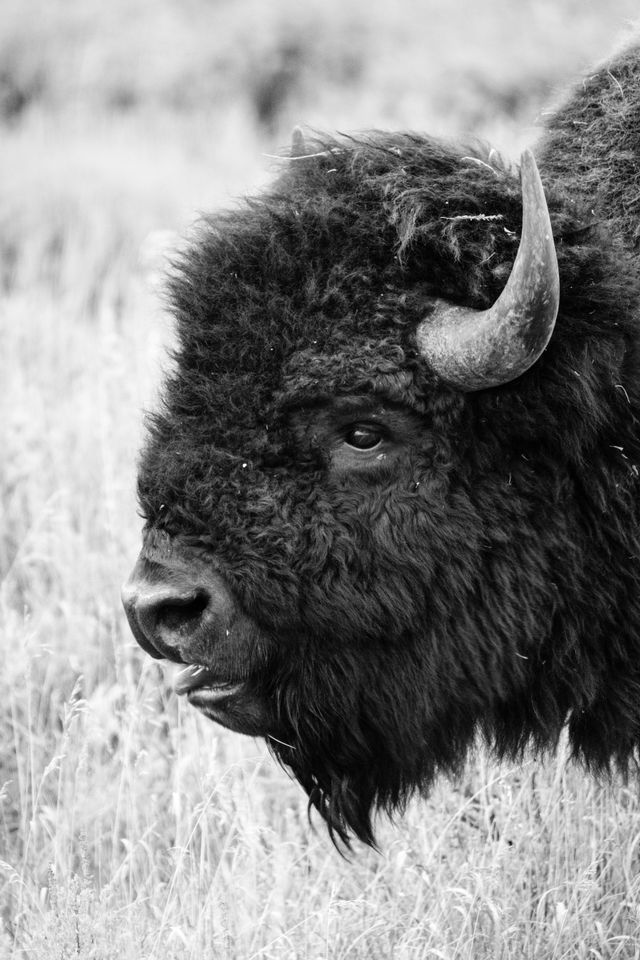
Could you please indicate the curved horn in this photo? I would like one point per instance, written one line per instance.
(477, 349)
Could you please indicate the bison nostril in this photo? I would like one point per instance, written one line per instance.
(177, 613)
(171, 613)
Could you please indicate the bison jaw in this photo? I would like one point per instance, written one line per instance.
(231, 704)
(228, 703)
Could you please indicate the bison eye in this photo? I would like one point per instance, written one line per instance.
(364, 436)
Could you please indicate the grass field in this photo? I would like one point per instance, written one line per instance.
(129, 827)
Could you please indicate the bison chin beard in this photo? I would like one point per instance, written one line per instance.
(352, 766)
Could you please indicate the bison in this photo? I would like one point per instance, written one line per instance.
(391, 493)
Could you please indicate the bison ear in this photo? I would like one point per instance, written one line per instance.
(298, 146)
(478, 349)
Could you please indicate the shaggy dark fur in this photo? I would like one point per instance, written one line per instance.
(487, 578)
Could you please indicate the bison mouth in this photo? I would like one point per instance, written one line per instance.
(225, 701)
(196, 680)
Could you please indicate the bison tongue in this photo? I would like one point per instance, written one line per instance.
(193, 677)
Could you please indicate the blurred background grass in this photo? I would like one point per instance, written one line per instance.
(128, 826)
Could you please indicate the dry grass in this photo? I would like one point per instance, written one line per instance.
(128, 826)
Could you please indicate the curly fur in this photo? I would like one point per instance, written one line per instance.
(492, 584)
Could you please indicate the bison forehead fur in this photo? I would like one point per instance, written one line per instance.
(477, 570)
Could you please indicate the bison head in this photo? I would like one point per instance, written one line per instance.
(375, 509)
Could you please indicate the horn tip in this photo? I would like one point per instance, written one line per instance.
(528, 165)
(298, 145)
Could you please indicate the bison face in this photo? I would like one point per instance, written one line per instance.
(315, 596)
(333, 542)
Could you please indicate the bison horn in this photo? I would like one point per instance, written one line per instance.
(476, 349)
(298, 146)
